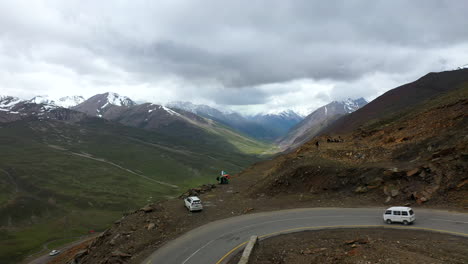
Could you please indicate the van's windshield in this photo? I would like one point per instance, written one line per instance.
(411, 212)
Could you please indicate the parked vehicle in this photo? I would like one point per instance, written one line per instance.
(399, 214)
(193, 203)
(54, 252)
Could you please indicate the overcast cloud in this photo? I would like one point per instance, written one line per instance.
(250, 56)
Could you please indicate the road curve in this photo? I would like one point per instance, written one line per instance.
(216, 242)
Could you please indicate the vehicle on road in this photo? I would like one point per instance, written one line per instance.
(54, 252)
(399, 214)
(193, 203)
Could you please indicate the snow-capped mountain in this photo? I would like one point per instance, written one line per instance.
(463, 67)
(69, 101)
(8, 102)
(65, 102)
(116, 99)
(106, 103)
(319, 119)
(199, 109)
(267, 126)
(278, 124)
(351, 105)
(42, 99)
(13, 109)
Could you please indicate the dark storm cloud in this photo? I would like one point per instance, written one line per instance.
(241, 44)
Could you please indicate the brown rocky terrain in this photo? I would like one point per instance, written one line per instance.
(416, 155)
(360, 246)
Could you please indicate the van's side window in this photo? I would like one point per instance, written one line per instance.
(411, 212)
(404, 213)
(396, 213)
(388, 212)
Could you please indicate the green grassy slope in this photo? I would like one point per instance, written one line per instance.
(60, 180)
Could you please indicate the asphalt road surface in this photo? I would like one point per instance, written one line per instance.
(216, 242)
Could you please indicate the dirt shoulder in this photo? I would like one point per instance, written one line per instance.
(368, 245)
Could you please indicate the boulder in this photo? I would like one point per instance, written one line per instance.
(461, 184)
(394, 192)
(361, 189)
(118, 253)
(150, 226)
(412, 172)
(113, 240)
(147, 209)
(423, 199)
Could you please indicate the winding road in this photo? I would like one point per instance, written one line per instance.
(216, 242)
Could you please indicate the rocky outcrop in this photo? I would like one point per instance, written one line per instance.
(198, 190)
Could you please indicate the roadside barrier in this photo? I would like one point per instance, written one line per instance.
(248, 250)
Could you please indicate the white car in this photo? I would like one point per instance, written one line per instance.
(54, 252)
(193, 203)
(399, 214)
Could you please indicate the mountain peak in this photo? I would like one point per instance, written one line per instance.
(351, 105)
(70, 101)
(7, 102)
(198, 108)
(118, 100)
(65, 102)
(42, 99)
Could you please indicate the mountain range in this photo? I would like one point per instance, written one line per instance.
(313, 124)
(77, 164)
(407, 147)
(261, 126)
(283, 127)
(62, 168)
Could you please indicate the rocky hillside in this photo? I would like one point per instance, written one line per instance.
(318, 120)
(418, 154)
(401, 98)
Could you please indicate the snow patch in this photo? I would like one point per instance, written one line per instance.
(69, 101)
(170, 111)
(7, 102)
(116, 99)
(42, 99)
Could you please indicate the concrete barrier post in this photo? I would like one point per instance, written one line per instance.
(248, 250)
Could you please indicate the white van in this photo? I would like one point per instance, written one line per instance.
(399, 214)
(193, 203)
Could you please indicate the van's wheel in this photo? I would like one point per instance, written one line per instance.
(405, 222)
(388, 221)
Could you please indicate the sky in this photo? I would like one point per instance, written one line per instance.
(244, 55)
